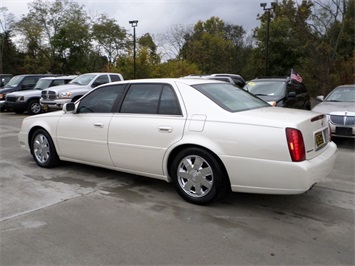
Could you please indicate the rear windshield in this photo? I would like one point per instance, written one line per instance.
(230, 97)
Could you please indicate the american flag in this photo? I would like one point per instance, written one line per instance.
(295, 76)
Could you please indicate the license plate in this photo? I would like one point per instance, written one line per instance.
(319, 139)
(344, 131)
(45, 107)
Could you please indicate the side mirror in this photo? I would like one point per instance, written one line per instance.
(68, 107)
(320, 98)
(97, 83)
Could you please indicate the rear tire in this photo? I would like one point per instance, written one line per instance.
(43, 150)
(198, 177)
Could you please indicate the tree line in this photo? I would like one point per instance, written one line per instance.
(314, 37)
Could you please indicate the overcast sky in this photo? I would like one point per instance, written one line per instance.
(158, 16)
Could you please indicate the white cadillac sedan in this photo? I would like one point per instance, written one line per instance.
(204, 136)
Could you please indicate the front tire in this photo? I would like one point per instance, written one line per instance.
(33, 107)
(198, 177)
(43, 150)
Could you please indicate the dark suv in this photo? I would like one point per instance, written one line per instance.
(18, 83)
(283, 91)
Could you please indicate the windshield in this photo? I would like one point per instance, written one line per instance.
(14, 81)
(274, 89)
(345, 94)
(83, 79)
(230, 97)
(43, 84)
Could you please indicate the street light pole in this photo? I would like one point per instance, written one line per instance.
(263, 5)
(134, 24)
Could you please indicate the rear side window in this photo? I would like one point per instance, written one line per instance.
(151, 99)
(115, 77)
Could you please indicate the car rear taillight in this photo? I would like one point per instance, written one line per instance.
(295, 144)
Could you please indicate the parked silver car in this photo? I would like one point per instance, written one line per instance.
(54, 98)
(339, 106)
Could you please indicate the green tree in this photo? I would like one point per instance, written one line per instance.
(147, 59)
(287, 38)
(213, 46)
(55, 37)
(8, 54)
(332, 44)
(172, 42)
(111, 39)
(177, 68)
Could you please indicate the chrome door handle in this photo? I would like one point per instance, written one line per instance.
(101, 125)
(165, 129)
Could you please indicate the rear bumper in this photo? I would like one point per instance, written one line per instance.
(278, 177)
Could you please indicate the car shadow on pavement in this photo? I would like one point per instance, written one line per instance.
(345, 143)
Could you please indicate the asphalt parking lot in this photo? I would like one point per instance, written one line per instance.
(81, 215)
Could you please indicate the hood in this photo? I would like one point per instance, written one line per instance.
(25, 93)
(65, 87)
(7, 90)
(330, 107)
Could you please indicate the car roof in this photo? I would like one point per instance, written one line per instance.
(187, 81)
(38, 75)
(350, 86)
(227, 75)
(271, 79)
(100, 73)
(60, 77)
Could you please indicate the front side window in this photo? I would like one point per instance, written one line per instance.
(151, 99)
(101, 100)
(29, 81)
(103, 79)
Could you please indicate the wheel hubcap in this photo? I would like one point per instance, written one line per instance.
(41, 148)
(36, 108)
(195, 176)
